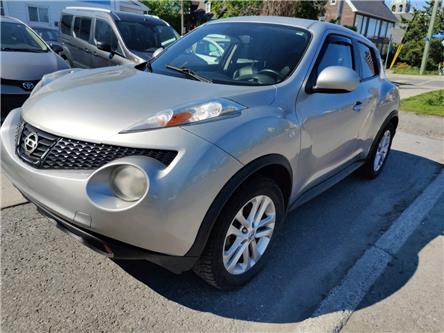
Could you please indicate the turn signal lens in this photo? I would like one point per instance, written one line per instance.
(128, 183)
(188, 114)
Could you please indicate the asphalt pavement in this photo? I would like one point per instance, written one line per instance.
(415, 282)
(50, 282)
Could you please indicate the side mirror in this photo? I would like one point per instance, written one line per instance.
(337, 79)
(104, 46)
(157, 52)
(56, 48)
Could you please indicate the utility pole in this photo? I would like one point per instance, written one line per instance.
(425, 55)
(182, 28)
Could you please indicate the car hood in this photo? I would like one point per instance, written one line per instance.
(97, 104)
(30, 66)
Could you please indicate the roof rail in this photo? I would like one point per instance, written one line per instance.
(91, 8)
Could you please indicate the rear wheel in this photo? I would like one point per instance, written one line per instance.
(240, 241)
(379, 154)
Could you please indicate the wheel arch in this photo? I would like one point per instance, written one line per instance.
(274, 166)
(392, 118)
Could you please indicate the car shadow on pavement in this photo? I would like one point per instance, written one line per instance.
(316, 246)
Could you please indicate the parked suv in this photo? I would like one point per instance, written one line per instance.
(193, 163)
(94, 37)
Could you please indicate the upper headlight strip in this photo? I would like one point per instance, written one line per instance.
(191, 113)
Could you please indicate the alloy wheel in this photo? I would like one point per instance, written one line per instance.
(249, 234)
(382, 150)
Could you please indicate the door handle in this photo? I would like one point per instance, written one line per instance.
(357, 107)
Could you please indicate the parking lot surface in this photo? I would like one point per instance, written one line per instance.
(415, 281)
(50, 282)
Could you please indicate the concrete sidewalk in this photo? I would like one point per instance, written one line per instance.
(409, 296)
(9, 196)
(412, 85)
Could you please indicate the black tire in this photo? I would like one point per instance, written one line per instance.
(210, 266)
(367, 170)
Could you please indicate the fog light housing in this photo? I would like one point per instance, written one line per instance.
(128, 183)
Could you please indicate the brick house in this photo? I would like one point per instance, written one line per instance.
(372, 18)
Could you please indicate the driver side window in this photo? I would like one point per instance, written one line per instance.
(105, 34)
(336, 54)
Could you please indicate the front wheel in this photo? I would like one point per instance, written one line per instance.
(240, 241)
(379, 154)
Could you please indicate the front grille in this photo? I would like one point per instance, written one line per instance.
(54, 152)
(18, 83)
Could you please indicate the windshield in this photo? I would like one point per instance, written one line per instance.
(47, 34)
(145, 36)
(237, 53)
(18, 37)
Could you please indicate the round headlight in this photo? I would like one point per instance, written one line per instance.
(128, 183)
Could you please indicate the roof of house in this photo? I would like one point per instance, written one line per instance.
(375, 8)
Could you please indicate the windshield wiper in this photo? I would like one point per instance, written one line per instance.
(188, 72)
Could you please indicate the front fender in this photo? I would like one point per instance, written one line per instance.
(256, 132)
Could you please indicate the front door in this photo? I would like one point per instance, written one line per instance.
(329, 120)
(104, 33)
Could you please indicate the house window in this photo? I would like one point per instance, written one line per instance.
(333, 2)
(401, 7)
(2, 9)
(383, 32)
(364, 25)
(393, 8)
(373, 28)
(389, 30)
(38, 14)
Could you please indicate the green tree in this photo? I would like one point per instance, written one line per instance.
(310, 9)
(293, 8)
(416, 32)
(168, 10)
(229, 8)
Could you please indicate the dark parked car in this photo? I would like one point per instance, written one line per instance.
(24, 58)
(50, 36)
(94, 37)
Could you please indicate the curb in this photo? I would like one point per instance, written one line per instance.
(342, 300)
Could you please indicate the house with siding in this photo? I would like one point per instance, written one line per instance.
(47, 13)
(372, 19)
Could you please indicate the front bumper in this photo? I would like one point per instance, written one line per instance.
(167, 221)
(117, 250)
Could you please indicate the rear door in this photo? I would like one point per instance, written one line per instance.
(368, 91)
(82, 48)
(329, 119)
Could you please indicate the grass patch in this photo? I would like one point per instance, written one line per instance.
(430, 103)
(403, 68)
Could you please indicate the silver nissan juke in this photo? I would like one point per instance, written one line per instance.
(193, 159)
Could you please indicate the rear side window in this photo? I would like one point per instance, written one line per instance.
(66, 24)
(336, 54)
(82, 27)
(368, 61)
